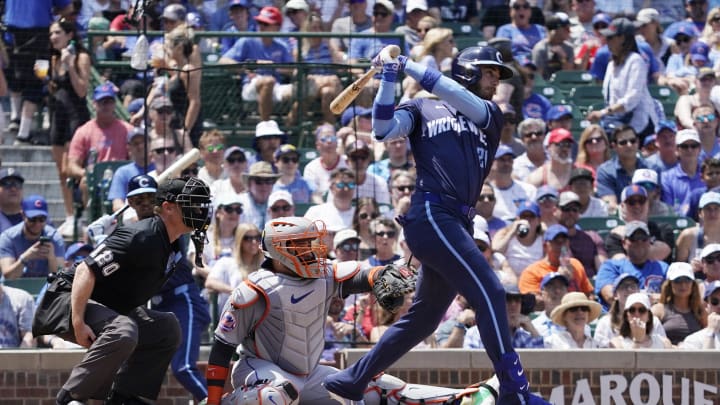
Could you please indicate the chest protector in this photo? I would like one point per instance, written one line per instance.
(291, 334)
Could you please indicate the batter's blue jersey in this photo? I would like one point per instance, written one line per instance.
(453, 155)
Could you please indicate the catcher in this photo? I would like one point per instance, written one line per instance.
(278, 314)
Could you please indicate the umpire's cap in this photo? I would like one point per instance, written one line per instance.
(141, 184)
(466, 64)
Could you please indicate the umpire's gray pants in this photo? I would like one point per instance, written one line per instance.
(132, 352)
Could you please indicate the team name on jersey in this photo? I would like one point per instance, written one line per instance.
(444, 125)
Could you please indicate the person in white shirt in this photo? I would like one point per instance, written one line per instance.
(338, 213)
(636, 327)
(574, 313)
(317, 171)
(581, 183)
(509, 193)
(553, 288)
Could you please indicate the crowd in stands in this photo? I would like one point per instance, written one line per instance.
(639, 283)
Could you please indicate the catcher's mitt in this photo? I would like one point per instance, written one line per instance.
(391, 284)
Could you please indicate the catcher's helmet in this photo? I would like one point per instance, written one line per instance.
(296, 242)
(466, 64)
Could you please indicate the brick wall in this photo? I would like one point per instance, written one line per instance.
(32, 377)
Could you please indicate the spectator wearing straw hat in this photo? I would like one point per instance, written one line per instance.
(574, 313)
(260, 180)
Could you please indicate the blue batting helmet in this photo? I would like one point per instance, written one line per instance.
(466, 64)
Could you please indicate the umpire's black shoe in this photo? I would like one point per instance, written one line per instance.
(116, 398)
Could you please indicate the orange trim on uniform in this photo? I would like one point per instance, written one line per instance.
(216, 376)
(247, 304)
(371, 274)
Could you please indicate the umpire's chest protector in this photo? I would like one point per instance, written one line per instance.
(292, 333)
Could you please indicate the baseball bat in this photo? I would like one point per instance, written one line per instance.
(350, 93)
(172, 171)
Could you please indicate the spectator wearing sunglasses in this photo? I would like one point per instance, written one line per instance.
(710, 262)
(635, 207)
(235, 165)
(648, 179)
(485, 206)
(709, 336)
(260, 180)
(161, 116)
(287, 160)
(317, 171)
(637, 242)
(532, 134)
(574, 313)
(231, 270)
(359, 155)
(509, 193)
(163, 153)
(608, 326)
(581, 183)
(385, 231)
(212, 149)
(402, 186)
(267, 141)
(705, 122)
(636, 329)
(382, 22)
(703, 96)
(522, 33)
(555, 172)
(366, 211)
(346, 245)
(585, 245)
(680, 307)
(692, 241)
(11, 196)
(280, 204)
(338, 212)
(547, 199)
(32, 248)
(678, 182)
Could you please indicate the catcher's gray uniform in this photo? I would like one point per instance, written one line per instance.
(278, 321)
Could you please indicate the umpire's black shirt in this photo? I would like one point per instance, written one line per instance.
(132, 264)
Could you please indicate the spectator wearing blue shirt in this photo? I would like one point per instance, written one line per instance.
(11, 196)
(123, 174)
(398, 152)
(710, 172)
(297, 12)
(535, 105)
(523, 34)
(237, 19)
(616, 174)
(650, 273)
(705, 121)
(382, 21)
(287, 159)
(678, 182)
(523, 332)
(264, 85)
(31, 248)
(665, 158)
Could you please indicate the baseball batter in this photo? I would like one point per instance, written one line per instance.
(454, 140)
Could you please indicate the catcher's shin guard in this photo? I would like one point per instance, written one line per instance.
(263, 392)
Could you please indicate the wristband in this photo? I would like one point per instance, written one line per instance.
(462, 326)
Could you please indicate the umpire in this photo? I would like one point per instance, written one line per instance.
(130, 346)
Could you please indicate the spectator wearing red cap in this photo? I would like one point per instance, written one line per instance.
(556, 171)
(264, 85)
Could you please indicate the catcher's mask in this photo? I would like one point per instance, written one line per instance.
(297, 243)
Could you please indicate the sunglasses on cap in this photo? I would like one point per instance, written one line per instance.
(233, 160)
(706, 117)
(533, 134)
(289, 159)
(688, 146)
(570, 208)
(380, 14)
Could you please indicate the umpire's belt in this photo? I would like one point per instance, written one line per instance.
(466, 211)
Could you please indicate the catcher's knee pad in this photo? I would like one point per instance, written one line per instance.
(263, 392)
